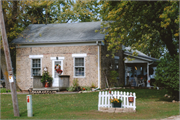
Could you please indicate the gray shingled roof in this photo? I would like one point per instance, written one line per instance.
(141, 56)
(60, 33)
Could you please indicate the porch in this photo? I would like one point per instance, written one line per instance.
(38, 86)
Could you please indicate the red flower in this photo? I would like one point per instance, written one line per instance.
(110, 92)
(84, 88)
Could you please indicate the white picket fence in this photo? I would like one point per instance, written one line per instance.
(104, 99)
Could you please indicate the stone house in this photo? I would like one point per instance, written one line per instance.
(76, 47)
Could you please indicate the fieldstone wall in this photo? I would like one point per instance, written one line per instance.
(23, 63)
(116, 110)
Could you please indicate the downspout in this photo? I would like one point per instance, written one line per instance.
(98, 66)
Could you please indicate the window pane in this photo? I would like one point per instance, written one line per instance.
(79, 61)
(76, 61)
(36, 63)
(79, 71)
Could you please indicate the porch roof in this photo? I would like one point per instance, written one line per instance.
(141, 56)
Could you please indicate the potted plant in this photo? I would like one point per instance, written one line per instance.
(116, 102)
(46, 79)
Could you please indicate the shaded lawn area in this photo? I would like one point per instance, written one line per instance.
(150, 104)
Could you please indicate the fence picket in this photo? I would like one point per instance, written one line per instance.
(105, 99)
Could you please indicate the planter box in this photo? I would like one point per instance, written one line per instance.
(115, 105)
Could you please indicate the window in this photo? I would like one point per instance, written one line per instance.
(79, 66)
(36, 67)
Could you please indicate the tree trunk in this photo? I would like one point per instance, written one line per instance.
(121, 67)
(4, 70)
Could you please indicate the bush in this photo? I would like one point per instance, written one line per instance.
(3, 90)
(71, 88)
(75, 86)
(167, 75)
(86, 88)
(93, 85)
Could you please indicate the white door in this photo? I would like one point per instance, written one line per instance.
(55, 82)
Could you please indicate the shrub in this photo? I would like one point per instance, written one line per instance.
(75, 86)
(167, 75)
(75, 83)
(86, 88)
(71, 88)
(3, 90)
(93, 85)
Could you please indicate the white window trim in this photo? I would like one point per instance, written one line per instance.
(59, 58)
(53, 61)
(79, 56)
(35, 57)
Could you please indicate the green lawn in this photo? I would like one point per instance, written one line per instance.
(150, 104)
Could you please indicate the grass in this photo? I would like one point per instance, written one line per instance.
(150, 104)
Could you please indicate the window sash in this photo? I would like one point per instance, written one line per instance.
(79, 71)
(79, 61)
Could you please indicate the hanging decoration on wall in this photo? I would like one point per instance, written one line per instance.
(58, 69)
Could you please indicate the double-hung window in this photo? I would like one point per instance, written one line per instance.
(36, 65)
(79, 65)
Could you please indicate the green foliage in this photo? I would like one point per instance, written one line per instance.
(47, 77)
(86, 88)
(3, 90)
(147, 26)
(75, 83)
(167, 74)
(71, 89)
(93, 85)
(75, 86)
(112, 78)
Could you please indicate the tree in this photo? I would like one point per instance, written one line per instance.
(79, 11)
(167, 75)
(146, 26)
(151, 27)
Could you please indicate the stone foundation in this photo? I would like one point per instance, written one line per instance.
(116, 110)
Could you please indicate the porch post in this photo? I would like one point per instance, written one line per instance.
(125, 74)
(148, 78)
